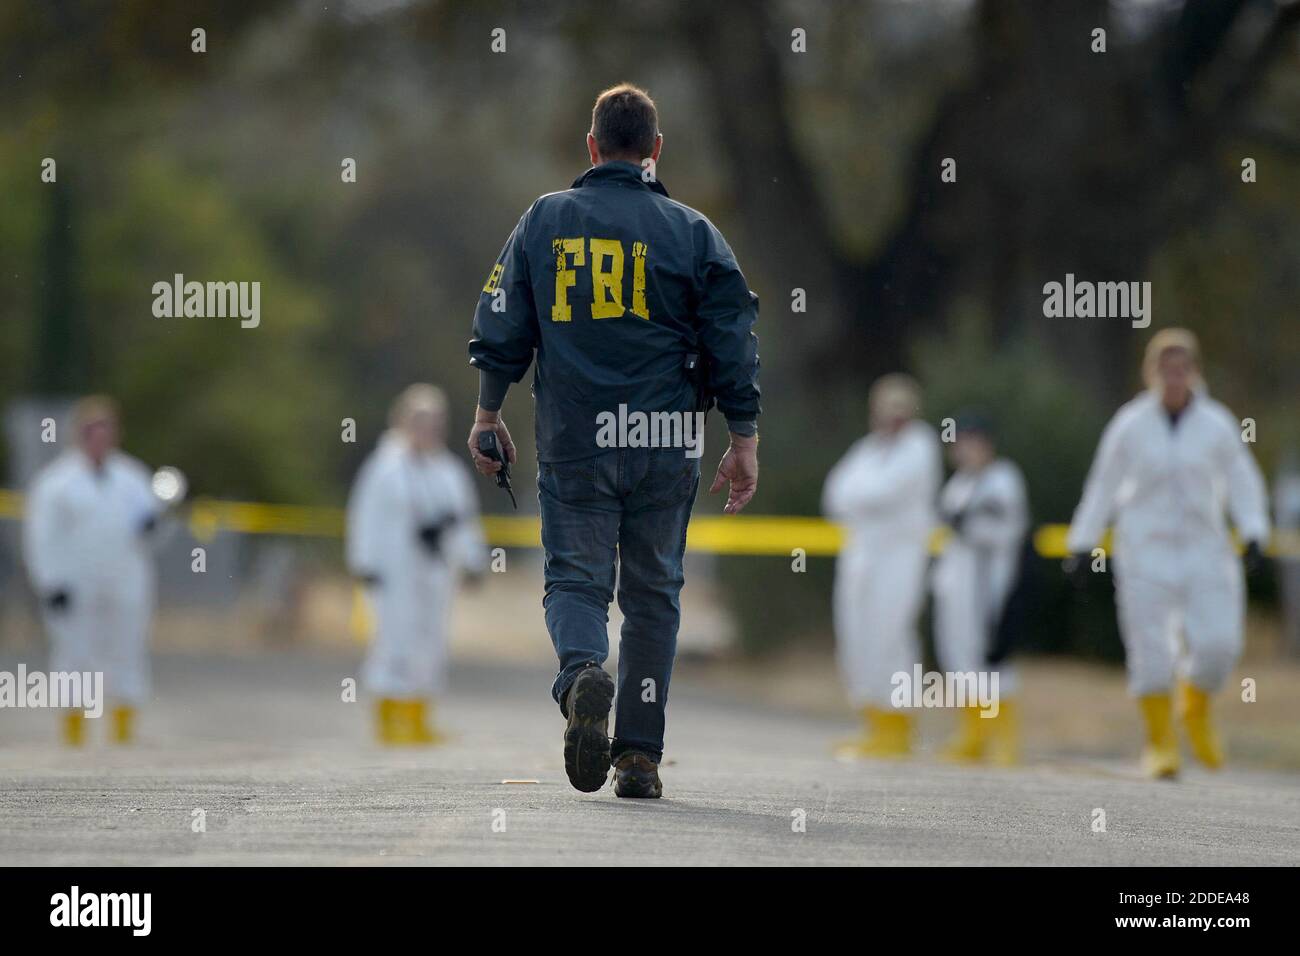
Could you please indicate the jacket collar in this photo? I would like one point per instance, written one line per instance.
(617, 173)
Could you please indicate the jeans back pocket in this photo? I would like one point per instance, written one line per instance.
(570, 481)
(671, 478)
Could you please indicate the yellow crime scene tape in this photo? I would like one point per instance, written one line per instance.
(713, 534)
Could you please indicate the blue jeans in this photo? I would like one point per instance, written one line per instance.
(625, 510)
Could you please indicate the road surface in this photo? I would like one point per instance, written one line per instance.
(285, 773)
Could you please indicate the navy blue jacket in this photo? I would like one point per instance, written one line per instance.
(613, 284)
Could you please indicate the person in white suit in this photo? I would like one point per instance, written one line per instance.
(87, 542)
(883, 492)
(987, 511)
(1170, 464)
(412, 527)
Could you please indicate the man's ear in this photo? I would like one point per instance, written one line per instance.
(592, 150)
(659, 144)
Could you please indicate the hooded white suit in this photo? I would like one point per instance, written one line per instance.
(975, 573)
(883, 491)
(84, 534)
(1168, 487)
(397, 492)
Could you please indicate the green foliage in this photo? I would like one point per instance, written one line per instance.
(247, 412)
(1048, 425)
(1045, 421)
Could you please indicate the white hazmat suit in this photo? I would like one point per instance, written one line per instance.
(397, 492)
(883, 492)
(84, 534)
(1168, 486)
(974, 575)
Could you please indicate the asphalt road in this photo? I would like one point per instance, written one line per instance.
(285, 773)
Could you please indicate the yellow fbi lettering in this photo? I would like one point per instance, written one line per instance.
(606, 284)
(607, 268)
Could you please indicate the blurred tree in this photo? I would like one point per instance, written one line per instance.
(60, 364)
(1068, 161)
(822, 169)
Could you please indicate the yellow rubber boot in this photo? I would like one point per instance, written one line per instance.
(967, 744)
(1160, 756)
(422, 731)
(886, 733)
(123, 725)
(416, 720)
(1194, 709)
(1004, 734)
(388, 721)
(408, 722)
(74, 728)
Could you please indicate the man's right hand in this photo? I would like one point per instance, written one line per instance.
(739, 466)
(485, 421)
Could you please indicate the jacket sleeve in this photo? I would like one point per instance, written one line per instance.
(1247, 494)
(365, 520)
(840, 483)
(468, 547)
(1099, 491)
(726, 312)
(1000, 515)
(505, 321)
(41, 551)
(856, 488)
(158, 526)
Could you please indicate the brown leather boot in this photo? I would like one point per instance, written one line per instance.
(636, 775)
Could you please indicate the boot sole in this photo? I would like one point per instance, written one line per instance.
(639, 792)
(586, 738)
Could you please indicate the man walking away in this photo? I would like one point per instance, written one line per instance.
(634, 303)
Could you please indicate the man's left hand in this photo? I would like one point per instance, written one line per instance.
(739, 471)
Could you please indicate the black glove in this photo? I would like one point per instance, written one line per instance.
(431, 538)
(430, 534)
(1077, 569)
(59, 600)
(1253, 558)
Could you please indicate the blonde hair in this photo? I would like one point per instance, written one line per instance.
(894, 394)
(94, 408)
(1166, 340)
(417, 398)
